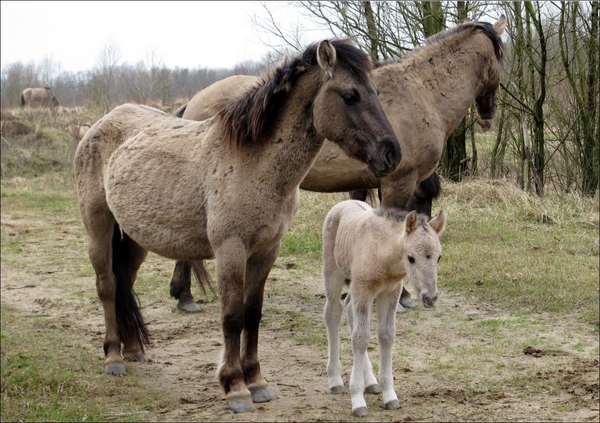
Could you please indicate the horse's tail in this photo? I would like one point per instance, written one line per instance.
(428, 190)
(179, 112)
(22, 100)
(366, 195)
(202, 275)
(132, 328)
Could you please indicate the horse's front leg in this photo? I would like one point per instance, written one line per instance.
(359, 316)
(257, 271)
(386, 331)
(230, 262)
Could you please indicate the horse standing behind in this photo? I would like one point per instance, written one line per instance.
(225, 188)
(374, 250)
(425, 95)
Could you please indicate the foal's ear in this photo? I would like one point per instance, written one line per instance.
(410, 223)
(438, 223)
(326, 57)
(500, 25)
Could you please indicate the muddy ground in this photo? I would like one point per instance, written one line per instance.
(462, 361)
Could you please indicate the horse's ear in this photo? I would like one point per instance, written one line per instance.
(500, 25)
(410, 223)
(438, 223)
(326, 57)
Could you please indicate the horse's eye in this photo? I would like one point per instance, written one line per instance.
(350, 98)
(411, 259)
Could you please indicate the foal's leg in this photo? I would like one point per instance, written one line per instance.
(360, 316)
(230, 261)
(181, 287)
(371, 385)
(257, 271)
(386, 331)
(333, 280)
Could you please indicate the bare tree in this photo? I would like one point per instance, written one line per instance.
(104, 76)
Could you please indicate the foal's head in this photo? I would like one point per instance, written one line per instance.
(422, 252)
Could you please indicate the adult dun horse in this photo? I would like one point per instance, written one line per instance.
(374, 250)
(425, 95)
(226, 188)
(44, 97)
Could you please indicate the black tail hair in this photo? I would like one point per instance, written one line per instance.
(132, 328)
(179, 112)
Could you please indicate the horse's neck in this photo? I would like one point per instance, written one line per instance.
(444, 79)
(292, 145)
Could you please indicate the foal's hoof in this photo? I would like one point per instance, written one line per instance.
(373, 389)
(115, 369)
(392, 405)
(261, 394)
(337, 390)
(399, 308)
(192, 307)
(408, 303)
(241, 405)
(361, 411)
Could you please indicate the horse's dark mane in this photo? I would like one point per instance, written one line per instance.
(399, 215)
(243, 119)
(485, 27)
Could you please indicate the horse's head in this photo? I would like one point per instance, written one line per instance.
(423, 251)
(347, 111)
(486, 102)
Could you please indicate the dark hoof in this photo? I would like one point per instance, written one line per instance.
(399, 308)
(361, 411)
(241, 405)
(115, 369)
(261, 395)
(135, 357)
(392, 405)
(189, 307)
(337, 390)
(373, 389)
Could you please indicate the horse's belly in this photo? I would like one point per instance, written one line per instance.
(159, 204)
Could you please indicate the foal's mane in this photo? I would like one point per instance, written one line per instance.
(399, 215)
(472, 26)
(244, 119)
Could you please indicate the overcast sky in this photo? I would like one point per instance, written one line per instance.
(181, 34)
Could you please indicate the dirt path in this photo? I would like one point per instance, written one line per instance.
(461, 361)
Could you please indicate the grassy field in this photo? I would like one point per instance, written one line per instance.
(530, 260)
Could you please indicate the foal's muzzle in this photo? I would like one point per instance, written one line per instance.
(429, 300)
(385, 158)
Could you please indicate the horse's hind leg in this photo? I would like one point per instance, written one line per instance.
(180, 287)
(257, 271)
(333, 280)
(100, 229)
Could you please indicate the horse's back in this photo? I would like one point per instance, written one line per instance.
(199, 107)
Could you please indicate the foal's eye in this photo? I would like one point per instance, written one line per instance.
(411, 259)
(350, 98)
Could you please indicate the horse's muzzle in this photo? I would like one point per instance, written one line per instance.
(429, 300)
(386, 159)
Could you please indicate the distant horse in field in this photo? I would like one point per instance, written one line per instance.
(42, 97)
(425, 95)
(225, 188)
(374, 250)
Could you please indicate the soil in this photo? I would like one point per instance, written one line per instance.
(446, 367)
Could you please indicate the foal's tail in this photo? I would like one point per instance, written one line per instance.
(132, 328)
